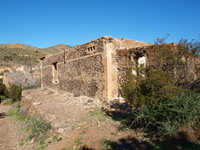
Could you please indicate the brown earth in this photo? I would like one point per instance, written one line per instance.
(11, 133)
(7, 130)
(78, 123)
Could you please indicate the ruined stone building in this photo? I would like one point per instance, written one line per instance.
(93, 69)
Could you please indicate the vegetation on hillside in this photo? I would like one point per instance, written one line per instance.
(161, 92)
(21, 54)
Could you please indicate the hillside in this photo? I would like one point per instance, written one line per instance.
(55, 49)
(21, 54)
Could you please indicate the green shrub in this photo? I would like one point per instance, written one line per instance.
(14, 112)
(3, 89)
(148, 88)
(169, 115)
(2, 97)
(8, 102)
(17, 105)
(39, 128)
(15, 92)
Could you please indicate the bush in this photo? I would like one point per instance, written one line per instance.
(169, 115)
(2, 97)
(149, 88)
(3, 89)
(15, 92)
(39, 128)
(27, 80)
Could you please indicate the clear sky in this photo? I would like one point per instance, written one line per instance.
(44, 23)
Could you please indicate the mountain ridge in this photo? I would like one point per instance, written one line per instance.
(22, 54)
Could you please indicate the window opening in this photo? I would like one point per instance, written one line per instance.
(55, 73)
(90, 49)
(55, 65)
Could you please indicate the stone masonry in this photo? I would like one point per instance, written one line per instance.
(93, 69)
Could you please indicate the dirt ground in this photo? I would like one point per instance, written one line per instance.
(8, 130)
(78, 123)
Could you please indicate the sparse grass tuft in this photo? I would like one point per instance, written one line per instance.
(7, 102)
(79, 140)
(39, 128)
(105, 143)
(15, 114)
(100, 114)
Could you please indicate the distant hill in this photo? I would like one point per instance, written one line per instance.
(55, 49)
(16, 54)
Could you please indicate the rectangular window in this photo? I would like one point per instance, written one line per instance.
(55, 73)
(91, 49)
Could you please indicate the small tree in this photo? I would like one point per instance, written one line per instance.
(148, 88)
(25, 79)
(187, 62)
(15, 92)
(181, 60)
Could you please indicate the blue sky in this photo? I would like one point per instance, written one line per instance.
(44, 23)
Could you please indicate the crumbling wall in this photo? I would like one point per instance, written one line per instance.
(86, 49)
(92, 69)
(47, 76)
(76, 52)
(83, 76)
(130, 58)
(59, 57)
(81, 72)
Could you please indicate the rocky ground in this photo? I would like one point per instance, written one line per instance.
(78, 123)
(8, 130)
(12, 132)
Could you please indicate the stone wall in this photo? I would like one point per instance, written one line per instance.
(129, 57)
(92, 69)
(81, 73)
(47, 76)
(83, 76)
(75, 52)
(59, 57)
